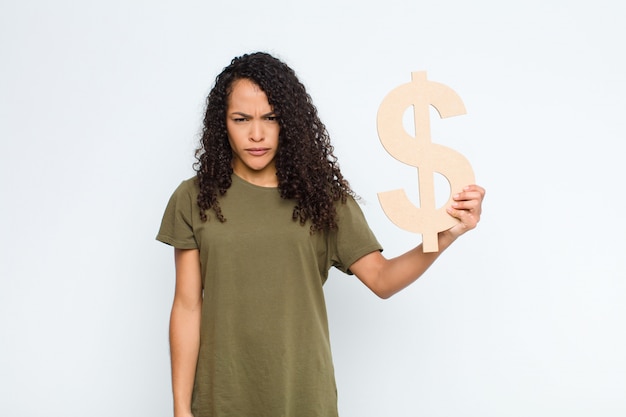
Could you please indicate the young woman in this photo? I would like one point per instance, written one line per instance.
(255, 233)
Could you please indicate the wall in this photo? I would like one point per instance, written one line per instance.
(100, 110)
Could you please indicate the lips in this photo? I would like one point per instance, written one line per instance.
(257, 151)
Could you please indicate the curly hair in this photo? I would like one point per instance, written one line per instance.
(307, 169)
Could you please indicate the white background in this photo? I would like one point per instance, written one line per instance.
(101, 104)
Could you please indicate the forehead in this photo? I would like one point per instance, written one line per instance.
(246, 91)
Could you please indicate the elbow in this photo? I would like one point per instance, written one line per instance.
(187, 305)
(383, 293)
(381, 287)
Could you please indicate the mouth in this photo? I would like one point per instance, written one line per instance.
(257, 151)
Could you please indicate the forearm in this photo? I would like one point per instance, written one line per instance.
(184, 348)
(398, 273)
(385, 277)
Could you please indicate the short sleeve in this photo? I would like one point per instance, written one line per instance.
(353, 238)
(177, 223)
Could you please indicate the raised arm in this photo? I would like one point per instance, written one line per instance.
(185, 328)
(385, 277)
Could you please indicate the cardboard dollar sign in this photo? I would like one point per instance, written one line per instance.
(420, 152)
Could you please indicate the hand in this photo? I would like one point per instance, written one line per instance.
(467, 207)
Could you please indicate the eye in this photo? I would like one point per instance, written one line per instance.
(239, 119)
(271, 118)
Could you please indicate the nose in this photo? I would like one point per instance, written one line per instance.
(256, 131)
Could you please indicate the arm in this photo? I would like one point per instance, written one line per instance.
(185, 328)
(385, 277)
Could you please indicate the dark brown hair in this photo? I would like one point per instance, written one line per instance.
(307, 169)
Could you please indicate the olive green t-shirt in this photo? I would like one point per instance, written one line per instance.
(264, 341)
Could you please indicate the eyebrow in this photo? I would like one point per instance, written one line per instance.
(238, 113)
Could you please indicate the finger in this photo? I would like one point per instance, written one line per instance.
(471, 197)
(468, 218)
(471, 192)
(466, 221)
(474, 187)
(467, 205)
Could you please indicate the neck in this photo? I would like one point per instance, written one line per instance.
(265, 179)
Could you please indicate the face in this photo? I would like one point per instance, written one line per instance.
(253, 133)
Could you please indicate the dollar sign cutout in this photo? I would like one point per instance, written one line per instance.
(420, 152)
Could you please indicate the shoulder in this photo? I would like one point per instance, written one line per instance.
(349, 213)
(183, 197)
(188, 187)
(347, 207)
(190, 183)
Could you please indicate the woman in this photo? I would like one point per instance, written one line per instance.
(255, 233)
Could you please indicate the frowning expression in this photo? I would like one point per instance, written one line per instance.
(253, 133)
